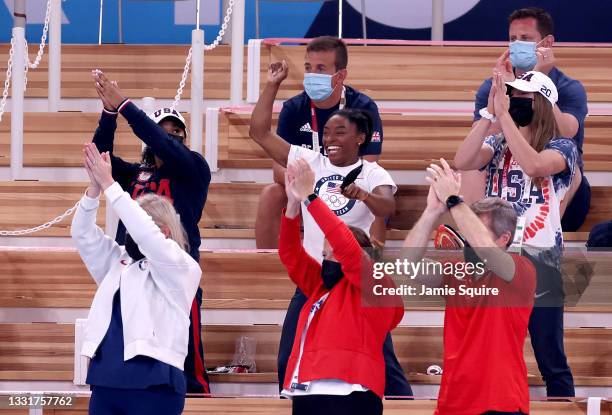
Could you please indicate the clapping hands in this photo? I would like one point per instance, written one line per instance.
(444, 183)
(99, 170)
(107, 90)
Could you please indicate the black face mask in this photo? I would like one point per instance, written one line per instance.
(331, 273)
(521, 110)
(132, 248)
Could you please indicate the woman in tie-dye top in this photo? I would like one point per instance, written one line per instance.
(527, 164)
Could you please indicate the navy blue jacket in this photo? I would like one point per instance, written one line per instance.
(183, 178)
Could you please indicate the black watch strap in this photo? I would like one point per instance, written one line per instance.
(453, 201)
(311, 197)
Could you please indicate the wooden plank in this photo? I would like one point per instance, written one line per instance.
(411, 142)
(239, 280)
(34, 351)
(440, 73)
(140, 70)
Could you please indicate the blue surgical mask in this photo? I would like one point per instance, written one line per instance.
(318, 86)
(523, 55)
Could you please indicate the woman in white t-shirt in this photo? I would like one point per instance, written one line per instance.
(344, 134)
(527, 164)
(369, 196)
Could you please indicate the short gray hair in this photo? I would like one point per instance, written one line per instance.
(502, 214)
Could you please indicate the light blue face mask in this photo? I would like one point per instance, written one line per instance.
(318, 86)
(523, 55)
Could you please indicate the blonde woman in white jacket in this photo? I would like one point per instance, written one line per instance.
(137, 329)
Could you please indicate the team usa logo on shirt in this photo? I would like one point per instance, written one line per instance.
(328, 189)
(144, 176)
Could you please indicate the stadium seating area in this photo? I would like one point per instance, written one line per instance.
(55, 279)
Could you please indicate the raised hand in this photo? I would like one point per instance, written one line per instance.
(277, 72)
(504, 66)
(94, 187)
(434, 204)
(107, 90)
(546, 60)
(501, 101)
(98, 166)
(443, 180)
(107, 105)
(491, 100)
(300, 180)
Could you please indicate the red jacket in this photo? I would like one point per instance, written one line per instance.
(345, 338)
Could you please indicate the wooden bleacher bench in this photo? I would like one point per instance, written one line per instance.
(56, 139)
(230, 206)
(411, 142)
(140, 70)
(443, 73)
(436, 73)
(44, 351)
(30, 203)
(57, 278)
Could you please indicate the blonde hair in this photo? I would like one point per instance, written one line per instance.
(163, 214)
(543, 126)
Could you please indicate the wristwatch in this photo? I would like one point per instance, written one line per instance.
(453, 201)
(484, 113)
(311, 197)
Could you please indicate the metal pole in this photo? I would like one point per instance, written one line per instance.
(197, 14)
(364, 28)
(100, 24)
(197, 89)
(340, 19)
(18, 87)
(256, 19)
(55, 55)
(19, 13)
(437, 20)
(237, 53)
(120, 19)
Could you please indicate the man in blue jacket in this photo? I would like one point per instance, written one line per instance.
(168, 168)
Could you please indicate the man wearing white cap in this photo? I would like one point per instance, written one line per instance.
(532, 167)
(168, 168)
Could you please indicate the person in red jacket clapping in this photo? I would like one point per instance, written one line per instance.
(336, 364)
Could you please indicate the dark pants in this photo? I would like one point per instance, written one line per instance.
(546, 331)
(577, 210)
(357, 403)
(396, 383)
(195, 372)
(152, 401)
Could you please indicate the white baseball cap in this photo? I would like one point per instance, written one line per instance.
(162, 113)
(534, 81)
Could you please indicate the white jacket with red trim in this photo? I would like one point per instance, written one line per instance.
(156, 292)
